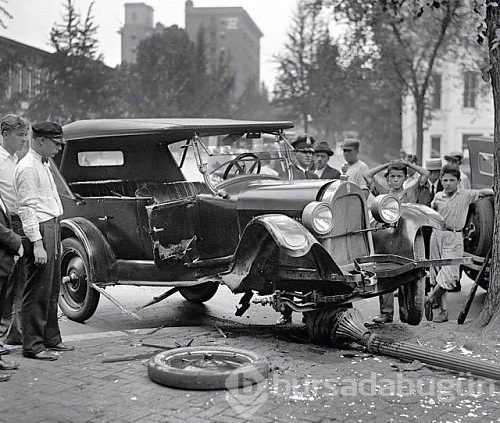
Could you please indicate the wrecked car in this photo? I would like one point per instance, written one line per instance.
(478, 230)
(195, 203)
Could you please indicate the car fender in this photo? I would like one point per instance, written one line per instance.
(399, 239)
(98, 251)
(288, 234)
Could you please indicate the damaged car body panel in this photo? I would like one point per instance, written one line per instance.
(191, 203)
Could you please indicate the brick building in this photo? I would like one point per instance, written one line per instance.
(229, 31)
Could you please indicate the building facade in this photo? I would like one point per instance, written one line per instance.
(138, 25)
(460, 106)
(231, 32)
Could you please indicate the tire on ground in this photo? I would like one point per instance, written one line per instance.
(199, 293)
(411, 295)
(78, 300)
(172, 368)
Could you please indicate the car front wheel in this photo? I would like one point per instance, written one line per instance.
(77, 299)
(199, 293)
(412, 294)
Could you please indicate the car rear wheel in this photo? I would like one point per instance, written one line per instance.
(199, 293)
(478, 231)
(411, 295)
(77, 299)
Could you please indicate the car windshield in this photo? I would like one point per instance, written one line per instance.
(227, 156)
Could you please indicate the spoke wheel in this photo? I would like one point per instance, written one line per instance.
(77, 299)
(411, 295)
(208, 368)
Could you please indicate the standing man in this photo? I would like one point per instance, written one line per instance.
(11, 248)
(434, 168)
(354, 168)
(455, 159)
(39, 210)
(322, 154)
(14, 131)
(304, 151)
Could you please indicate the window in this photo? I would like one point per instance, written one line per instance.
(100, 158)
(486, 164)
(470, 89)
(232, 23)
(436, 91)
(435, 146)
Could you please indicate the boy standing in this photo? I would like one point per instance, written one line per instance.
(453, 204)
(396, 174)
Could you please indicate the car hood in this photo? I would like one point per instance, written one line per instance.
(281, 196)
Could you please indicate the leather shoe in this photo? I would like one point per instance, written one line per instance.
(4, 351)
(8, 365)
(42, 355)
(4, 377)
(61, 347)
(12, 342)
(457, 288)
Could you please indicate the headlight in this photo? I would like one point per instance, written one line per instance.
(318, 217)
(386, 208)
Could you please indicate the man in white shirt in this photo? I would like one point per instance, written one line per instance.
(39, 210)
(15, 130)
(354, 168)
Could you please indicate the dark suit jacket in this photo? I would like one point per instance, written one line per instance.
(330, 173)
(299, 174)
(9, 245)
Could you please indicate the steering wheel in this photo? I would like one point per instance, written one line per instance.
(239, 163)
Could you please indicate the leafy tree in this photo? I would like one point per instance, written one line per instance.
(4, 14)
(409, 34)
(254, 103)
(292, 89)
(173, 77)
(489, 31)
(76, 82)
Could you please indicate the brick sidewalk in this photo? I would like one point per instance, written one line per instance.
(308, 383)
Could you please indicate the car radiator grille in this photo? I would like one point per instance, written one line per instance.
(349, 216)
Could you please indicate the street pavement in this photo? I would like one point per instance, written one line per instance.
(105, 378)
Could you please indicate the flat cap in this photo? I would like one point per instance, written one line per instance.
(454, 155)
(304, 142)
(50, 130)
(433, 164)
(323, 147)
(350, 144)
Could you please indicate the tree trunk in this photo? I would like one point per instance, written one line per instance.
(420, 111)
(490, 314)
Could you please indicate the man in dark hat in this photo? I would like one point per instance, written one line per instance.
(39, 210)
(455, 159)
(322, 154)
(304, 151)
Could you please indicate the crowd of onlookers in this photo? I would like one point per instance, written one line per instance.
(30, 243)
(445, 188)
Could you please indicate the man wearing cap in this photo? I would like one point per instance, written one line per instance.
(304, 151)
(39, 210)
(354, 168)
(455, 159)
(434, 168)
(15, 132)
(322, 154)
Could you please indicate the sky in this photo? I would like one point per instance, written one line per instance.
(33, 20)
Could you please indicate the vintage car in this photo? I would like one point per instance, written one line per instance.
(478, 231)
(192, 204)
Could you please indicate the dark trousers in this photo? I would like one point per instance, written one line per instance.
(4, 281)
(40, 327)
(14, 296)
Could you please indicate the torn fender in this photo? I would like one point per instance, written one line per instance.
(399, 240)
(289, 235)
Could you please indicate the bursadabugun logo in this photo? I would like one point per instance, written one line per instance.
(247, 391)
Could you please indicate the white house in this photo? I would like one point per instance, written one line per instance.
(461, 106)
